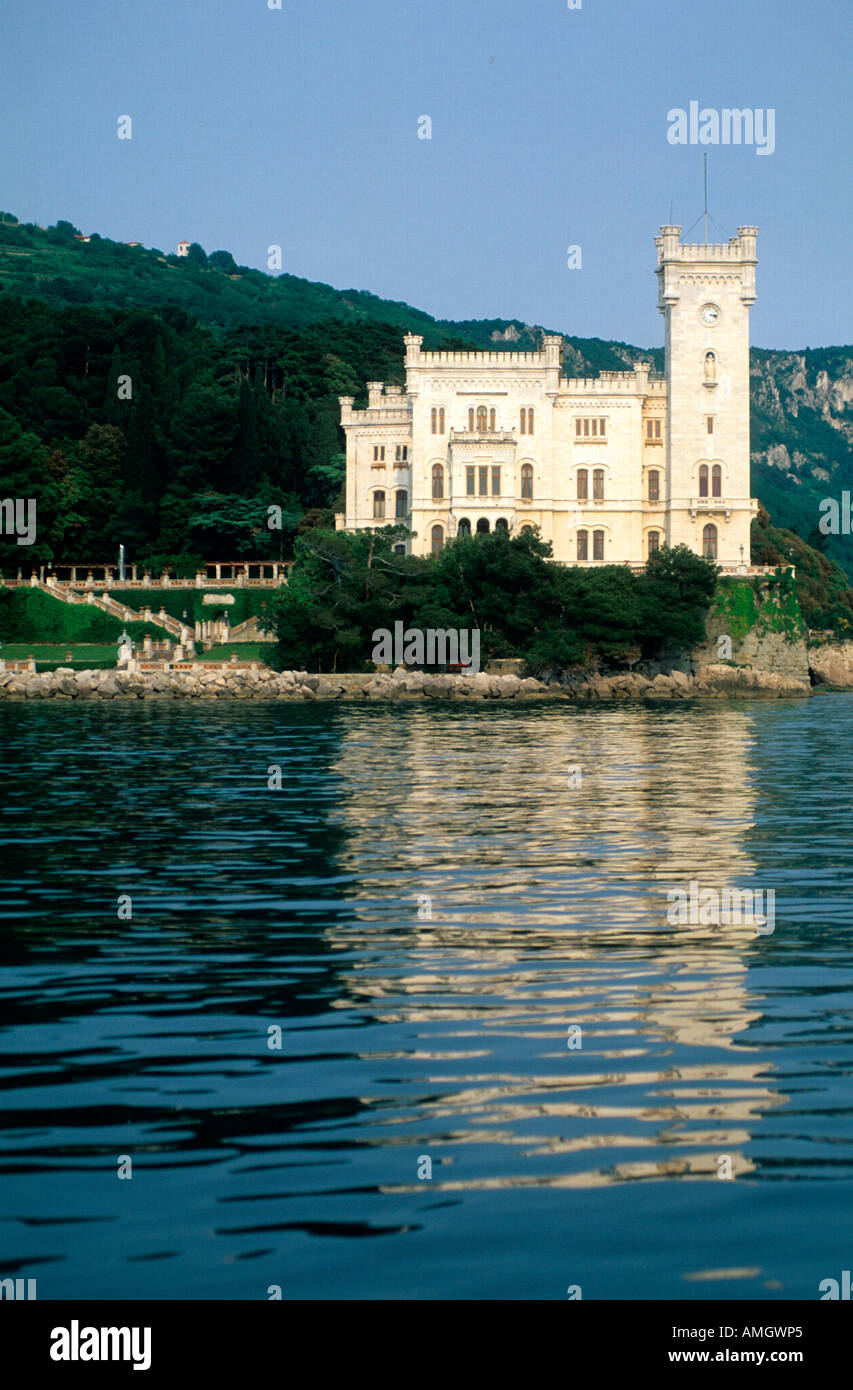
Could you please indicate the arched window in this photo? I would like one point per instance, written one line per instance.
(598, 484)
(527, 481)
(492, 421)
(530, 420)
(582, 545)
(654, 488)
(716, 481)
(583, 484)
(464, 527)
(378, 505)
(523, 420)
(437, 539)
(703, 480)
(471, 419)
(709, 542)
(501, 524)
(441, 419)
(482, 419)
(654, 542)
(598, 545)
(483, 526)
(437, 480)
(401, 503)
(433, 419)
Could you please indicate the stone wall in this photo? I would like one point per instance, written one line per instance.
(762, 618)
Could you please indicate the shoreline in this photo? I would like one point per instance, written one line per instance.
(202, 682)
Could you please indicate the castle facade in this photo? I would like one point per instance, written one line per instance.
(608, 468)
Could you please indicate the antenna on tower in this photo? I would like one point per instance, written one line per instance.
(705, 157)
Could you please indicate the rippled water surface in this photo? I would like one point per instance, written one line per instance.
(425, 909)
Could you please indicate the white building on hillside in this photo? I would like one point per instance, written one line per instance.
(609, 468)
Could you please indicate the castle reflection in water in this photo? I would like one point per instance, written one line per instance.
(527, 906)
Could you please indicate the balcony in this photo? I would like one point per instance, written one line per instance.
(482, 437)
(699, 506)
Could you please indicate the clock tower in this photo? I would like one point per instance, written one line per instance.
(705, 293)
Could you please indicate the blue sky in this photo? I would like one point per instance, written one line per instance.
(299, 127)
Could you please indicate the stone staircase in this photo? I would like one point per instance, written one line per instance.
(66, 594)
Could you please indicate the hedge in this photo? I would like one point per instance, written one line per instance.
(31, 615)
(247, 602)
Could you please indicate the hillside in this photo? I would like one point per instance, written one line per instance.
(54, 265)
(236, 377)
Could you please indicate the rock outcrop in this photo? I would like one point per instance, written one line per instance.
(832, 664)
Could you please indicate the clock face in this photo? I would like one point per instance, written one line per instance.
(709, 314)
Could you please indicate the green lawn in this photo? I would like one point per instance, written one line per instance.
(246, 651)
(57, 652)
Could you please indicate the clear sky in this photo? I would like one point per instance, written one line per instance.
(299, 127)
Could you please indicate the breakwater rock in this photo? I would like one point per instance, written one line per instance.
(225, 682)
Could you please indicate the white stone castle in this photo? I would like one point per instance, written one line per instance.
(609, 468)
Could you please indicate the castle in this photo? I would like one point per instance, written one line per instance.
(608, 468)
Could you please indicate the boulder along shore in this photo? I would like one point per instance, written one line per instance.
(220, 682)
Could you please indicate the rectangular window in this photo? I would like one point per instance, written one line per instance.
(402, 503)
(654, 486)
(709, 421)
(496, 482)
(653, 429)
(591, 427)
(483, 482)
(469, 481)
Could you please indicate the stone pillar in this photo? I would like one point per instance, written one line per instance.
(146, 646)
(218, 572)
